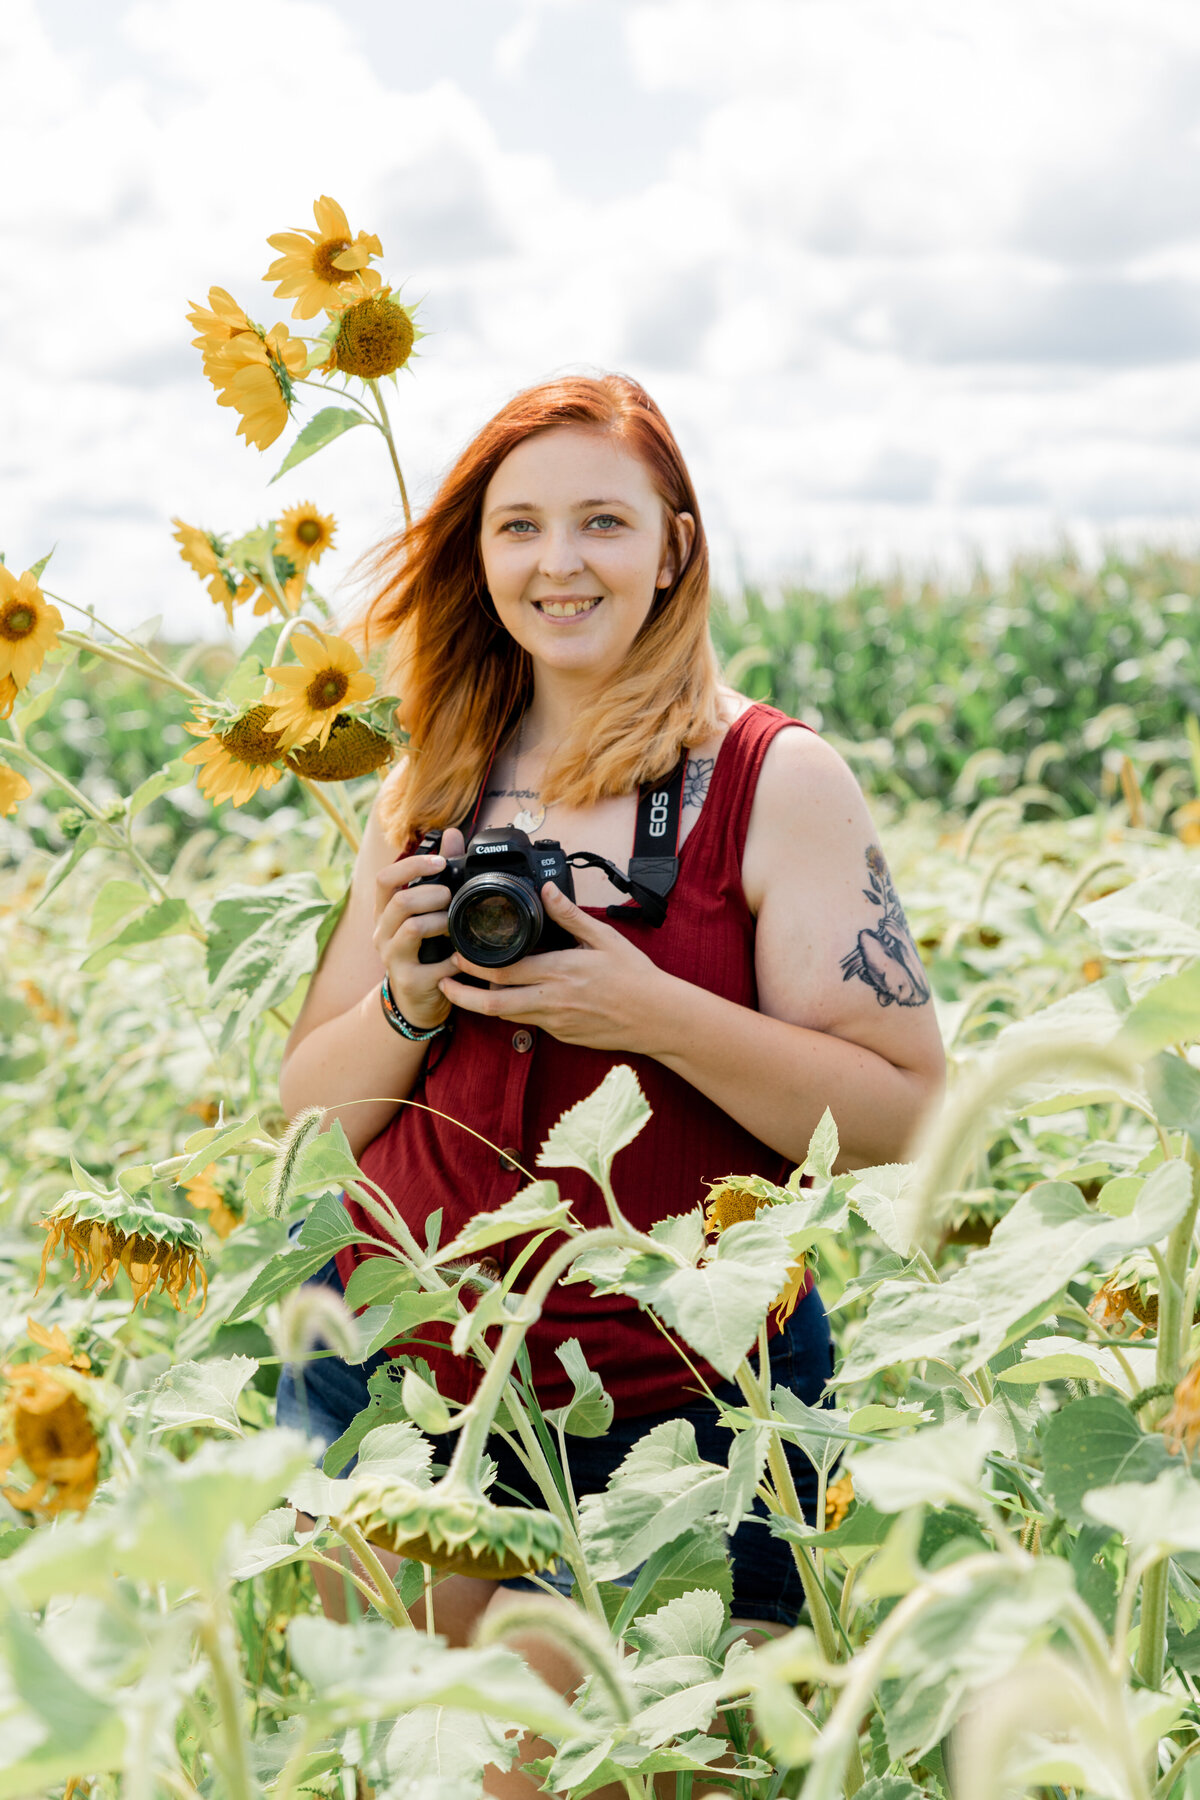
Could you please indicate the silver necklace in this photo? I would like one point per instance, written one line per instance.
(524, 820)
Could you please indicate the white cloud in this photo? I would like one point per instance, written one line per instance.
(907, 279)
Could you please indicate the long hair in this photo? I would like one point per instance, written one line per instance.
(462, 679)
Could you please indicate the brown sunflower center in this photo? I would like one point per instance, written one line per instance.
(17, 619)
(248, 742)
(309, 531)
(376, 337)
(323, 264)
(326, 689)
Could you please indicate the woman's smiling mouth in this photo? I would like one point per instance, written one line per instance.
(568, 609)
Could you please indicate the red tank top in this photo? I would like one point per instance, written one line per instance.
(510, 1083)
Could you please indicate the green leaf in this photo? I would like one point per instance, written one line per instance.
(590, 1413)
(1050, 1236)
(169, 918)
(1158, 916)
(325, 1160)
(114, 902)
(1065, 1359)
(424, 1405)
(939, 1467)
(174, 774)
(62, 866)
(1174, 1089)
(445, 1746)
(718, 1307)
(54, 1726)
(378, 1280)
(822, 1149)
(408, 1311)
(194, 1394)
(877, 1195)
(589, 1136)
(536, 1208)
(321, 429)
(262, 941)
(659, 1491)
(215, 1141)
(327, 1229)
(269, 1544)
(31, 707)
(1159, 1517)
(1095, 1443)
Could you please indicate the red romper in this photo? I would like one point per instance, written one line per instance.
(511, 1082)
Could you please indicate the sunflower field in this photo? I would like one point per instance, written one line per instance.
(1002, 1579)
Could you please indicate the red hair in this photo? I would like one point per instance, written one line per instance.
(462, 678)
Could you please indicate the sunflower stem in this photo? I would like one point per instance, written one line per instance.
(78, 640)
(386, 428)
(141, 649)
(214, 1633)
(391, 1602)
(113, 837)
(351, 836)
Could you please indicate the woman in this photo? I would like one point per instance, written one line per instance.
(549, 636)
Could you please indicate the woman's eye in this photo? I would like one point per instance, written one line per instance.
(604, 519)
(514, 526)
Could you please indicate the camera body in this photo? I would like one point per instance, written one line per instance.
(496, 912)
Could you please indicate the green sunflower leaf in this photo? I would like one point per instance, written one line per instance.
(321, 429)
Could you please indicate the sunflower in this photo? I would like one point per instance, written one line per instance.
(49, 1428)
(110, 1232)
(374, 337)
(1186, 822)
(13, 789)
(331, 677)
(456, 1531)
(741, 1197)
(8, 694)
(204, 1194)
(353, 748)
(29, 626)
(238, 758)
(222, 320)
(200, 551)
(254, 375)
(321, 268)
(305, 534)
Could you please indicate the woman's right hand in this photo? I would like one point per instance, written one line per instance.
(404, 917)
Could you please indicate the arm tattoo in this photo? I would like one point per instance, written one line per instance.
(696, 778)
(886, 958)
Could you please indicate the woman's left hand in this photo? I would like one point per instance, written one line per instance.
(601, 994)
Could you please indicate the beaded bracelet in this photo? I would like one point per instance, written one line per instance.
(398, 1022)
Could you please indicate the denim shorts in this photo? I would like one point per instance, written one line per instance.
(765, 1583)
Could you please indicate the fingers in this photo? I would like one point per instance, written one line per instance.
(590, 932)
(498, 1003)
(452, 842)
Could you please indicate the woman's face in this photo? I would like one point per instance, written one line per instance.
(575, 546)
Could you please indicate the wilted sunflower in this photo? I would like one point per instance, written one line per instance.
(320, 268)
(742, 1197)
(238, 758)
(351, 749)
(13, 789)
(204, 1194)
(329, 678)
(375, 337)
(839, 1496)
(305, 534)
(1181, 1426)
(222, 320)
(254, 375)
(457, 1532)
(48, 1427)
(29, 626)
(108, 1232)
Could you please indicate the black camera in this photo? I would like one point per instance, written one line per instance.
(496, 911)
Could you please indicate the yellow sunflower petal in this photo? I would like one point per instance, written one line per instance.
(13, 789)
(331, 220)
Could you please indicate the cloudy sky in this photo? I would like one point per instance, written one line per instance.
(912, 279)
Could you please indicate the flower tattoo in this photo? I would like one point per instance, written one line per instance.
(885, 957)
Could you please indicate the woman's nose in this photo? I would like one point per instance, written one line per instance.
(560, 557)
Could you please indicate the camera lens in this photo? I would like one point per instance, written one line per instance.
(495, 920)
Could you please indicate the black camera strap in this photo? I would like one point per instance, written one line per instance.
(654, 865)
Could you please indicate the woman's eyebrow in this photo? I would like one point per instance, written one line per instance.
(580, 506)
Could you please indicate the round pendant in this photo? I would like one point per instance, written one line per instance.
(529, 821)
